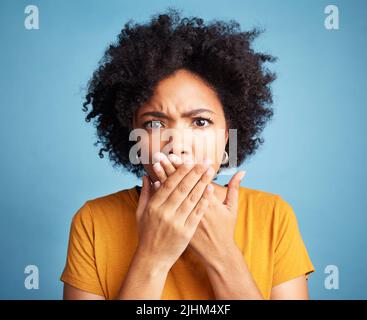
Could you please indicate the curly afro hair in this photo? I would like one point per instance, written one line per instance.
(218, 51)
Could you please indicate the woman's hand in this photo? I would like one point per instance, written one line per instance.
(168, 217)
(214, 236)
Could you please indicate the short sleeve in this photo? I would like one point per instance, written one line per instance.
(291, 258)
(80, 269)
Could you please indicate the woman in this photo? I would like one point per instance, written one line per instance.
(182, 236)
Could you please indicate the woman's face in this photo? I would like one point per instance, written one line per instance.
(187, 118)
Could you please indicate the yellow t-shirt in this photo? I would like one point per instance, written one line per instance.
(104, 236)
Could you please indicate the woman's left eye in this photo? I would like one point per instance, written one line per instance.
(201, 122)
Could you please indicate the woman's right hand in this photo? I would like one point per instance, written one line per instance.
(168, 217)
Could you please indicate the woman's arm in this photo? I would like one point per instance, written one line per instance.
(173, 212)
(72, 293)
(292, 289)
(295, 289)
(231, 279)
(145, 279)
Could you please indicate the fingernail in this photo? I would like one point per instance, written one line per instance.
(207, 162)
(242, 174)
(210, 171)
(157, 167)
(174, 158)
(157, 157)
(156, 184)
(210, 187)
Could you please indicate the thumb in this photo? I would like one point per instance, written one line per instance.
(144, 197)
(231, 200)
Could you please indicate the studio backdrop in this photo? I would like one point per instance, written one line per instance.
(313, 155)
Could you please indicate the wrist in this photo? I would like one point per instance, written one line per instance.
(153, 265)
(224, 259)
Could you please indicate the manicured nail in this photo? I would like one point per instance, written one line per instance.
(156, 185)
(210, 187)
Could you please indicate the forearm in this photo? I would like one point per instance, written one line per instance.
(145, 279)
(230, 277)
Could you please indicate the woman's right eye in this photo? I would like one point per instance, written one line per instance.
(153, 124)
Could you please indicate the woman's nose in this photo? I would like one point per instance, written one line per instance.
(180, 152)
(180, 148)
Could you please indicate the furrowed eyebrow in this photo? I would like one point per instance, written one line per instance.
(155, 114)
(195, 112)
(190, 113)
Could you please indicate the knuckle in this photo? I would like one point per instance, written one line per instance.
(185, 167)
(206, 194)
(203, 204)
(163, 218)
(183, 188)
(183, 208)
(168, 185)
(194, 197)
(151, 210)
(198, 169)
(176, 226)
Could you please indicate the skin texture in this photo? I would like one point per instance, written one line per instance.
(182, 204)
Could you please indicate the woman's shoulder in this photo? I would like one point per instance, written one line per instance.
(127, 194)
(118, 203)
(256, 195)
(265, 203)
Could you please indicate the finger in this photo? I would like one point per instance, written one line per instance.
(196, 193)
(153, 187)
(201, 207)
(159, 172)
(231, 200)
(156, 185)
(212, 198)
(166, 164)
(170, 184)
(144, 197)
(185, 187)
(169, 164)
(175, 160)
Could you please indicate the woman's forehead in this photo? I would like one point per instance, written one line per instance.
(181, 93)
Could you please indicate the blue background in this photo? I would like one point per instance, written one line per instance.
(314, 154)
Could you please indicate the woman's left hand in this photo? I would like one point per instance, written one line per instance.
(214, 236)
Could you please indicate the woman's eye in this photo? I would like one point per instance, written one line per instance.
(153, 124)
(202, 122)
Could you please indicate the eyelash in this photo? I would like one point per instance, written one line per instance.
(209, 120)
